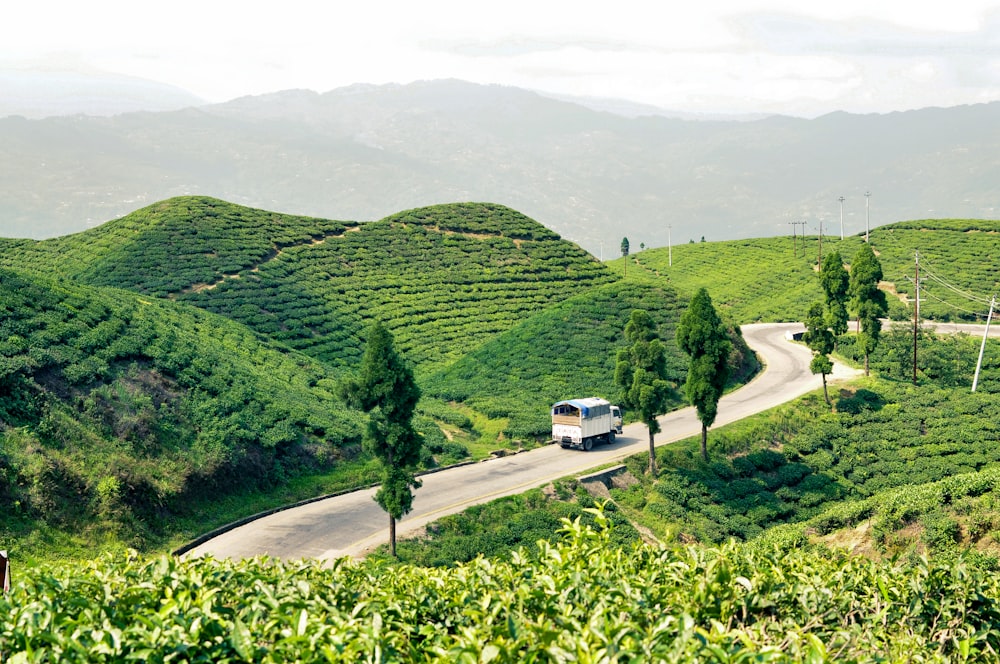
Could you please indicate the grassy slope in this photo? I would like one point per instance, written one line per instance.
(763, 473)
(567, 351)
(82, 367)
(761, 279)
(446, 278)
(120, 413)
(450, 279)
(749, 280)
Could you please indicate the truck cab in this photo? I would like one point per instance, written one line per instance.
(616, 419)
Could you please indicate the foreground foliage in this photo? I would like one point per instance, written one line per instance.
(579, 600)
(497, 528)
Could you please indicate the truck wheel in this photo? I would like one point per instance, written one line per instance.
(588, 444)
(611, 437)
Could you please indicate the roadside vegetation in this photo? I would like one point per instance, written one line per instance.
(122, 413)
(803, 464)
(570, 348)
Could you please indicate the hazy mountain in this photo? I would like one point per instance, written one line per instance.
(364, 152)
(43, 91)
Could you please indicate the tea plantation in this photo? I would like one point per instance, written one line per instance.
(175, 368)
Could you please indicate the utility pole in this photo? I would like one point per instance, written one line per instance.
(819, 261)
(795, 251)
(841, 199)
(916, 310)
(986, 333)
(868, 195)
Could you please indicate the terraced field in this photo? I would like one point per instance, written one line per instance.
(570, 348)
(444, 279)
(770, 279)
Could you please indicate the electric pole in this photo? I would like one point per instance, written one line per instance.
(819, 261)
(986, 333)
(868, 195)
(841, 199)
(795, 251)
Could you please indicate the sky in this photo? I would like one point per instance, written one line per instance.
(795, 57)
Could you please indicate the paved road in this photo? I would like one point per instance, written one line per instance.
(353, 524)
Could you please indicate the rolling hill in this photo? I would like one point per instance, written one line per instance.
(193, 302)
(443, 279)
(123, 407)
(772, 279)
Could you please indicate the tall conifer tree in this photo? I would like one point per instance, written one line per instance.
(641, 372)
(819, 338)
(834, 280)
(868, 301)
(387, 391)
(701, 334)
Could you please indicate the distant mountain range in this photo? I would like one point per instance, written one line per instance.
(364, 152)
(41, 91)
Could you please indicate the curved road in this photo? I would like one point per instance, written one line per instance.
(353, 524)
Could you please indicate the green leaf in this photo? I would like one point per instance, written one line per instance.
(241, 640)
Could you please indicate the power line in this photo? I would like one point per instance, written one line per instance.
(926, 293)
(929, 274)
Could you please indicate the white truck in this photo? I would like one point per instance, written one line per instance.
(582, 422)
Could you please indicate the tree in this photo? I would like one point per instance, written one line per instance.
(625, 253)
(702, 336)
(387, 391)
(641, 372)
(867, 300)
(834, 280)
(819, 338)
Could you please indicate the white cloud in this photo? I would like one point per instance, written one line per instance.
(713, 55)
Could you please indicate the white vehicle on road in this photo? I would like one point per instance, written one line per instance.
(582, 422)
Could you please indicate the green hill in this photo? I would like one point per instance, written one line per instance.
(772, 279)
(497, 313)
(444, 279)
(176, 245)
(126, 415)
(120, 414)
